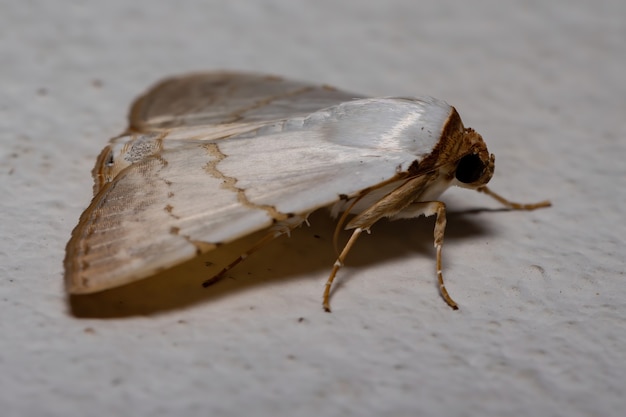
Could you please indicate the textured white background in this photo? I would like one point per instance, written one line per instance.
(541, 330)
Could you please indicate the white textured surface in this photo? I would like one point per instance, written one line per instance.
(541, 330)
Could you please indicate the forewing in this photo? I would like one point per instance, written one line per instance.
(152, 216)
(159, 198)
(190, 197)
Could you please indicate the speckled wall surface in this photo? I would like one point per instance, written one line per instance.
(541, 329)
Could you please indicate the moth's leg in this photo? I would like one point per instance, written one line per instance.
(511, 204)
(281, 228)
(338, 264)
(428, 208)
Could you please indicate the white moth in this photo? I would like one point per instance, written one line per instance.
(211, 157)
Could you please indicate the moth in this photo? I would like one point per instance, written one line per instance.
(211, 157)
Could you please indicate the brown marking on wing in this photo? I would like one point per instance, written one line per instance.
(230, 183)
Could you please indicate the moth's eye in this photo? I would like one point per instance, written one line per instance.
(469, 169)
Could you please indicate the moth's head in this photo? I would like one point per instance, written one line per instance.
(475, 167)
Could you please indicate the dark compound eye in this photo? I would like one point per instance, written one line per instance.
(469, 169)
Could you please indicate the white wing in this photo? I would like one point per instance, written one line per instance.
(212, 157)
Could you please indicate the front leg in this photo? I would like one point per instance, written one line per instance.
(428, 208)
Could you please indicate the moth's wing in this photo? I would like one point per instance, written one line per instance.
(181, 188)
(191, 197)
(223, 98)
(145, 219)
(131, 230)
(208, 106)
